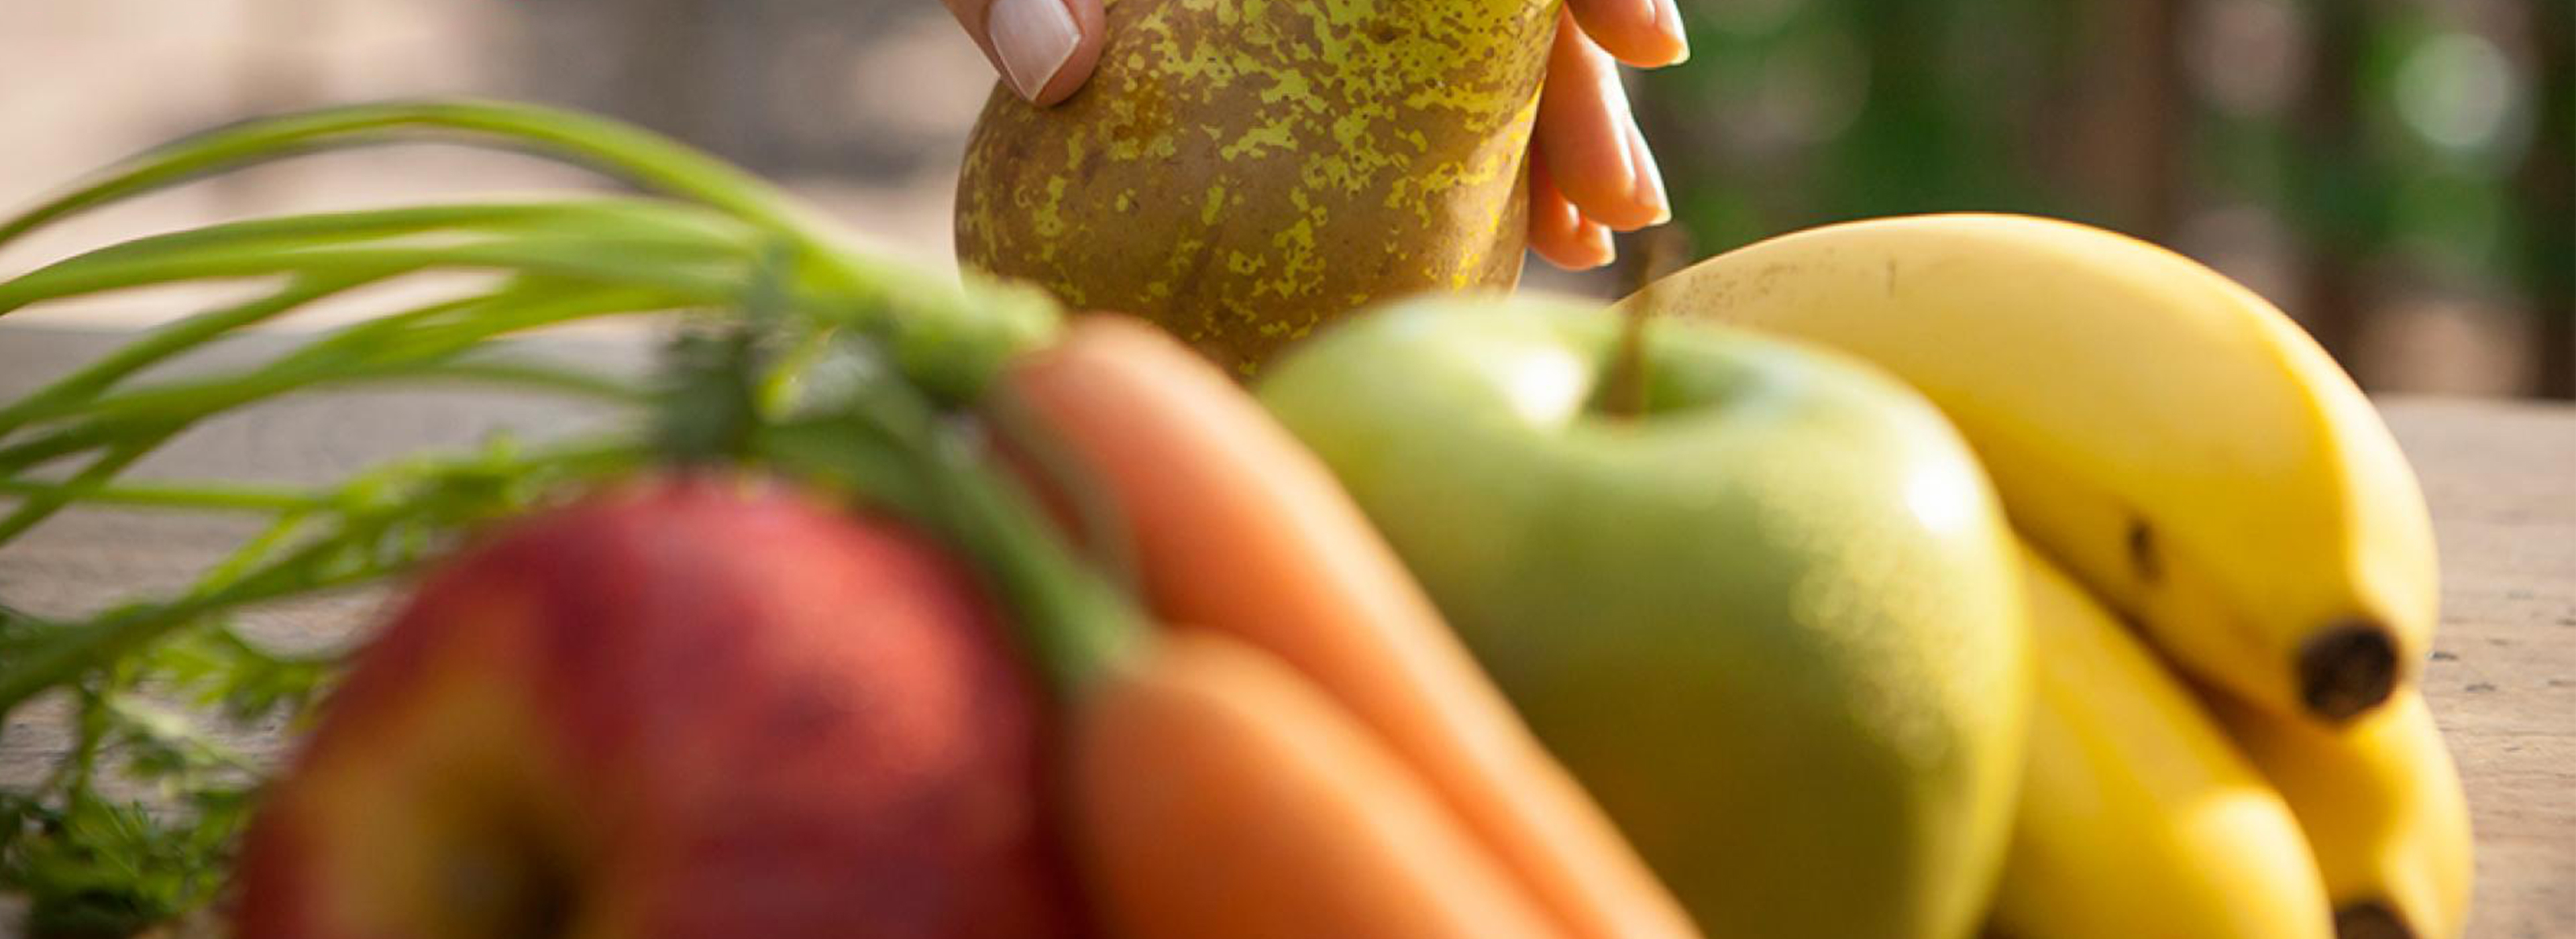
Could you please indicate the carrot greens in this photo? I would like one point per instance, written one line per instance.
(799, 355)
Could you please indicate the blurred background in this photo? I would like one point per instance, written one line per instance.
(2395, 173)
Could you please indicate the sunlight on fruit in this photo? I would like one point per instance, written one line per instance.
(1943, 496)
(1548, 388)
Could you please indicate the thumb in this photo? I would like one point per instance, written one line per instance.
(1043, 48)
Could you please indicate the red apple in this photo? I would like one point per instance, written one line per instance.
(684, 709)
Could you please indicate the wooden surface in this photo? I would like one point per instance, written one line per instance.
(2501, 479)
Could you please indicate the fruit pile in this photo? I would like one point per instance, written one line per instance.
(1902, 578)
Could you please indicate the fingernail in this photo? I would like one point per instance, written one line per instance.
(1668, 21)
(1033, 38)
(1596, 236)
(1649, 188)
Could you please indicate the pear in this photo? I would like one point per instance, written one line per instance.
(1240, 171)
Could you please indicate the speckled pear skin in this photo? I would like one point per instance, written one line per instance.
(1241, 171)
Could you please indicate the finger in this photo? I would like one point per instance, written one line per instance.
(1557, 231)
(1044, 49)
(1591, 143)
(1643, 33)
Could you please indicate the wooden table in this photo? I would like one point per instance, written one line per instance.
(2501, 479)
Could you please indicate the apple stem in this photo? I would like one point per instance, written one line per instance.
(1623, 391)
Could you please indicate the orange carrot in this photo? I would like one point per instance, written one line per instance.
(1238, 529)
(1216, 792)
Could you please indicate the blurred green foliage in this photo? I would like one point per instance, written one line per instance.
(2387, 148)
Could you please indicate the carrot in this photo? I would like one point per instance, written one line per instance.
(1216, 792)
(1236, 528)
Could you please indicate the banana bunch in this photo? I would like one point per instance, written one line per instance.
(2232, 573)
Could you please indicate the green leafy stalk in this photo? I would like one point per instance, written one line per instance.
(952, 341)
(880, 438)
(421, 344)
(382, 524)
(162, 343)
(36, 508)
(615, 217)
(1078, 625)
(689, 269)
(639, 156)
(816, 363)
(202, 497)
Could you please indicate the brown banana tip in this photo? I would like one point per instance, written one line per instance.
(2370, 919)
(2348, 668)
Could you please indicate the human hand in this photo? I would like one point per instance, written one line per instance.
(1590, 170)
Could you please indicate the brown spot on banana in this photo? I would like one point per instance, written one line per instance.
(2143, 559)
(2347, 668)
(2370, 921)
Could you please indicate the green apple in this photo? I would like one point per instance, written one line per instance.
(1770, 616)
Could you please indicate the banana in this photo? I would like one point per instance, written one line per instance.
(2189, 453)
(2138, 817)
(2381, 804)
